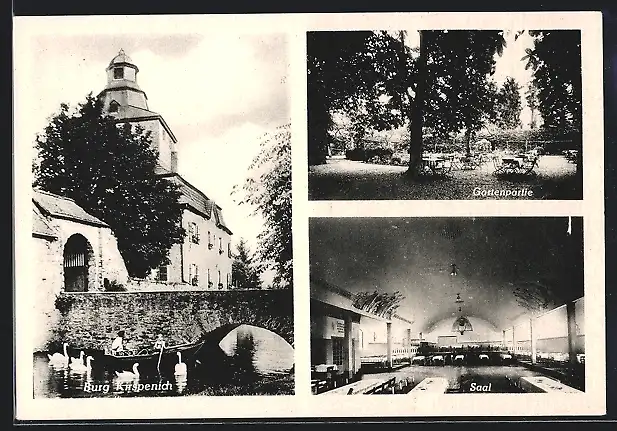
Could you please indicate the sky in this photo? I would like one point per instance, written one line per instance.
(494, 256)
(218, 92)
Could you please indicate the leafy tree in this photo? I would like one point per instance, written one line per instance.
(531, 97)
(109, 170)
(268, 190)
(245, 273)
(509, 105)
(556, 63)
(443, 84)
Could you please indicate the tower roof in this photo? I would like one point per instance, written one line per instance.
(122, 59)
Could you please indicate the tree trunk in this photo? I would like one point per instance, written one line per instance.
(417, 113)
(468, 142)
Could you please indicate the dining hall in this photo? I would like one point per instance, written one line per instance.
(453, 305)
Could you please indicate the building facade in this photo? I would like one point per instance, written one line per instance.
(204, 260)
(73, 252)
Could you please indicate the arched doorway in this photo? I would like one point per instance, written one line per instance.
(77, 255)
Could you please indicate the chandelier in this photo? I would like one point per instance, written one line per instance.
(462, 325)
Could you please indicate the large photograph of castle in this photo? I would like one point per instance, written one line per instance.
(161, 216)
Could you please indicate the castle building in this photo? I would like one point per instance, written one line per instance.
(204, 259)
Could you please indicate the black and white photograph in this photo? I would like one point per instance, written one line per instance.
(444, 114)
(426, 306)
(161, 214)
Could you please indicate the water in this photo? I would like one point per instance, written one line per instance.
(248, 361)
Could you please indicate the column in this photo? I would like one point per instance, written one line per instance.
(389, 343)
(420, 336)
(409, 343)
(347, 348)
(571, 332)
(503, 332)
(533, 337)
(513, 342)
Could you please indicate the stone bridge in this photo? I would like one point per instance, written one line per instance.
(92, 320)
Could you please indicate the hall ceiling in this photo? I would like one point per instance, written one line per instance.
(504, 266)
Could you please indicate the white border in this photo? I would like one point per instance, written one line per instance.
(303, 404)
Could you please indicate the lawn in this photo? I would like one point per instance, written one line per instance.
(341, 179)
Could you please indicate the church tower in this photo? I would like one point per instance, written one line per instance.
(122, 88)
(123, 99)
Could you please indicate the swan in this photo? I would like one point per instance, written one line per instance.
(128, 374)
(180, 369)
(80, 366)
(59, 358)
(79, 360)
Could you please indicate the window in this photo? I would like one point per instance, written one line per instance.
(162, 273)
(228, 281)
(220, 280)
(118, 73)
(209, 240)
(337, 351)
(193, 274)
(229, 250)
(113, 106)
(220, 245)
(209, 279)
(194, 232)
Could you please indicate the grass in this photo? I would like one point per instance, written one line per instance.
(553, 178)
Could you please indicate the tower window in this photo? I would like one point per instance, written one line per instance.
(118, 73)
(113, 106)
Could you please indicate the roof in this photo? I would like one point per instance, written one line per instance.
(198, 201)
(40, 227)
(121, 58)
(61, 207)
(134, 113)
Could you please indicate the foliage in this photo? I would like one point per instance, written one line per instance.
(382, 304)
(509, 105)
(109, 170)
(531, 97)
(556, 63)
(63, 302)
(268, 190)
(245, 273)
(385, 84)
(460, 95)
(114, 286)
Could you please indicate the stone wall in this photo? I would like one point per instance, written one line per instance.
(91, 320)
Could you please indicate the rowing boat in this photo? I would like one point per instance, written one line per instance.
(152, 361)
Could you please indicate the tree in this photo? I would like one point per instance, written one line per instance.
(245, 273)
(268, 190)
(460, 94)
(109, 170)
(531, 97)
(443, 84)
(556, 63)
(509, 105)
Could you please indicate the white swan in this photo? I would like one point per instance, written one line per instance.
(79, 360)
(128, 374)
(59, 358)
(80, 366)
(180, 369)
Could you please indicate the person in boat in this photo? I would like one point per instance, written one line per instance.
(160, 343)
(117, 346)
